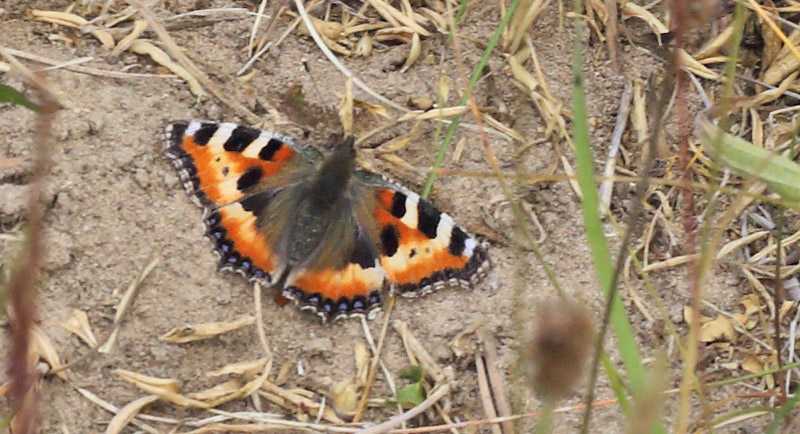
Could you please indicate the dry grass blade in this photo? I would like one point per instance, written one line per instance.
(391, 14)
(262, 337)
(485, 393)
(294, 401)
(127, 413)
(187, 64)
(418, 354)
(125, 304)
(523, 19)
(433, 397)
(113, 409)
(498, 384)
(606, 187)
(75, 21)
(330, 56)
(362, 404)
(191, 333)
(166, 388)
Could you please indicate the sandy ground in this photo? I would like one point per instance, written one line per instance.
(116, 202)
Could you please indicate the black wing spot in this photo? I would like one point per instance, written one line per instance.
(398, 205)
(204, 133)
(457, 241)
(389, 240)
(412, 253)
(225, 171)
(268, 151)
(257, 202)
(362, 253)
(250, 178)
(428, 219)
(240, 137)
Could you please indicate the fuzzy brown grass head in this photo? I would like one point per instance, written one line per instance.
(559, 347)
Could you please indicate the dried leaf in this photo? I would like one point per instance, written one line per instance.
(433, 114)
(139, 26)
(443, 88)
(420, 102)
(362, 363)
(126, 414)
(160, 57)
(718, 329)
(60, 18)
(220, 391)
(393, 15)
(346, 108)
(413, 53)
(633, 10)
(198, 332)
(753, 363)
(521, 74)
(292, 400)
(247, 369)
(345, 397)
(167, 384)
(364, 46)
(41, 346)
(78, 324)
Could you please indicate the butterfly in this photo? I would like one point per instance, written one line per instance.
(331, 237)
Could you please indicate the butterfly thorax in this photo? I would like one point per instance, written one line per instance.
(325, 196)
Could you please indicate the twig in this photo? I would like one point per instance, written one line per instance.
(260, 321)
(612, 34)
(613, 149)
(257, 23)
(362, 403)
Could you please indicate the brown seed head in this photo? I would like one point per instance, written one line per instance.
(557, 352)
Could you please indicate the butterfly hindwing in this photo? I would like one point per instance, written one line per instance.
(343, 277)
(421, 248)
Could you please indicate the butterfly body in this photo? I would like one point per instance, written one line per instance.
(330, 236)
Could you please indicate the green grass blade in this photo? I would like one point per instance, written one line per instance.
(604, 267)
(779, 172)
(476, 75)
(11, 95)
